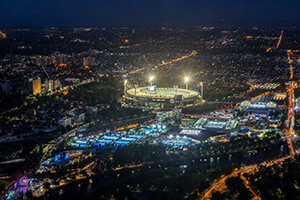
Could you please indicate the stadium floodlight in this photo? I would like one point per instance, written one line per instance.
(151, 79)
(186, 81)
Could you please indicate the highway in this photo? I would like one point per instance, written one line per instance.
(193, 53)
(220, 183)
(246, 169)
(2, 35)
(291, 113)
(278, 43)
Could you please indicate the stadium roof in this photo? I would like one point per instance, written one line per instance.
(162, 92)
(261, 98)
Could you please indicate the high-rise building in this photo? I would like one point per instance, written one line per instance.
(38, 60)
(43, 60)
(88, 61)
(56, 59)
(57, 84)
(65, 121)
(34, 86)
(51, 85)
(48, 85)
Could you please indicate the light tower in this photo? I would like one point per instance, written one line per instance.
(201, 83)
(186, 81)
(151, 80)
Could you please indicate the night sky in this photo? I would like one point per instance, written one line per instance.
(42, 13)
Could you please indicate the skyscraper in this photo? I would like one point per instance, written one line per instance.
(34, 86)
(88, 61)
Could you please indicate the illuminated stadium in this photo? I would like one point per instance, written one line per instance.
(152, 96)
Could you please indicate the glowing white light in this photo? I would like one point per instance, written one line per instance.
(186, 79)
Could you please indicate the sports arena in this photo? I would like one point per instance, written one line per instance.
(154, 97)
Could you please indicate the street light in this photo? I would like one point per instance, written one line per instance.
(150, 79)
(186, 81)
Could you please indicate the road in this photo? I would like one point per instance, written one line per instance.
(278, 43)
(219, 184)
(246, 169)
(193, 53)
